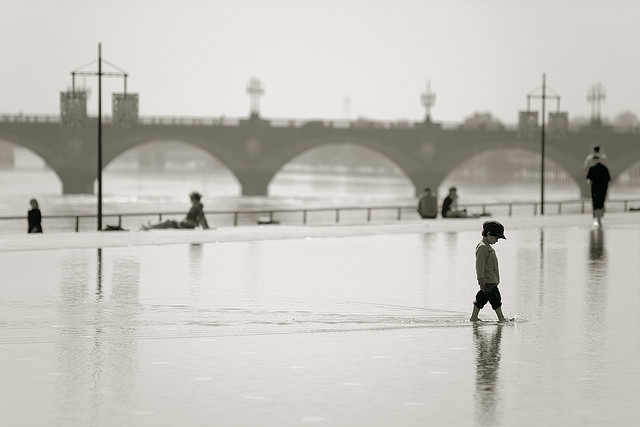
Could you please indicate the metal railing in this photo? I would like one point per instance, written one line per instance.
(316, 216)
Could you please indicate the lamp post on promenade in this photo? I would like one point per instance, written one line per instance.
(544, 97)
(119, 73)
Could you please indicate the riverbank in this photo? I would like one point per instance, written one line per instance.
(48, 241)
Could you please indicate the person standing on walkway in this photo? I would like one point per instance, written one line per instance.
(599, 177)
(428, 204)
(487, 271)
(34, 217)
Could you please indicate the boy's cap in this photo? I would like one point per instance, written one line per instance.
(495, 227)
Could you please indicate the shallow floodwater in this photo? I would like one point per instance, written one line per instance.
(351, 331)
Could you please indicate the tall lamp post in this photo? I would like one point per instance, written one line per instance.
(119, 73)
(544, 97)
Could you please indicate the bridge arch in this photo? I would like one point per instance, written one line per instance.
(375, 147)
(627, 182)
(511, 172)
(30, 172)
(369, 173)
(222, 150)
(556, 157)
(166, 166)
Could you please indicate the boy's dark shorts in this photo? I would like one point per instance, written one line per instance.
(489, 293)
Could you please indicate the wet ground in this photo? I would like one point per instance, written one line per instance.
(336, 326)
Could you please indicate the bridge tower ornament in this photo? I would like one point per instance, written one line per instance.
(528, 121)
(73, 108)
(73, 102)
(596, 97)
(255, 89)
(428, 100)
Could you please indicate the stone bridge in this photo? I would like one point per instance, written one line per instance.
(255, 151)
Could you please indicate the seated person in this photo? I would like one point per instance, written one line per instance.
(194, 218)
(450, 206)
(428, 204)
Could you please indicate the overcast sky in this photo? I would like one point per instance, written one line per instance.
(194, 58)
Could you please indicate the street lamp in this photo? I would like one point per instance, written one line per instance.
(529, 115)
(428, 100)
(255, 89)
(119, 73)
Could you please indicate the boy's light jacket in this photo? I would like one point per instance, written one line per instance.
(487, 263)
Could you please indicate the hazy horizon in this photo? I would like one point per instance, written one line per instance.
(194, 58)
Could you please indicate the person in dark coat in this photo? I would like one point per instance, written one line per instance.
(599, 178)
(428, 204)
(34, 218)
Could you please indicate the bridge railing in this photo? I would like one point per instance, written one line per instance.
(309, 216)
(237, 121)
(222, 120)
(31, 118)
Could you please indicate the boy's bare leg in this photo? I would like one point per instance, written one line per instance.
(500, 315)
(474, 315)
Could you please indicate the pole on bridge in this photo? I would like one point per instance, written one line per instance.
(544, 97)
(542, 146)
(99, 136)
(82, 72)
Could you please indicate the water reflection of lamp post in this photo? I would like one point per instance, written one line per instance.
(542, 96)
(119, 73)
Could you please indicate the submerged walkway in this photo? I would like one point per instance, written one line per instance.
(46, 241)
(325, 331)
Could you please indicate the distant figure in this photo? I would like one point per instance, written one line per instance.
(487, 271)
(450, 206)
(34, 218)
(428, 204)
(595, 157)
(194, 218)
(599, 178)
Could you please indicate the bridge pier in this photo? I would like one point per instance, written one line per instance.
(424, 179)
(77, 181)
(254, 183)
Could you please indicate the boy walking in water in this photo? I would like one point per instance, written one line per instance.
(487, 271)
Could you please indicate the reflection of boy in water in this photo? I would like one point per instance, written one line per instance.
(487, 343)
(487, 271)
